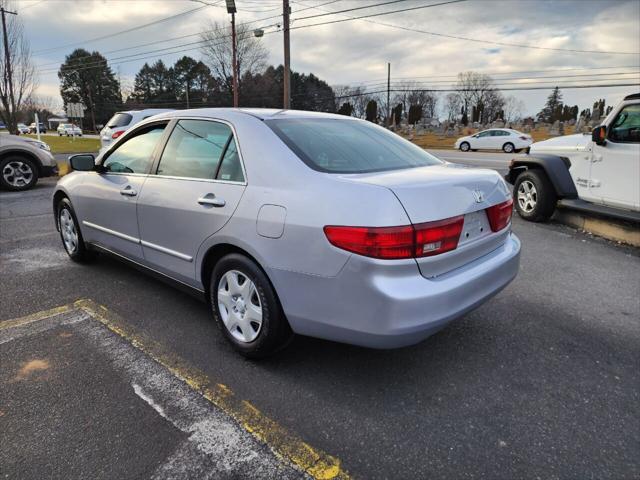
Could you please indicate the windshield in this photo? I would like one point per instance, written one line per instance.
(348, 146)
(119, 120)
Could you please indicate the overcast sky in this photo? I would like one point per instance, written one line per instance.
(357, 51)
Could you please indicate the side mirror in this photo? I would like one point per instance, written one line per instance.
(599, 135)
(85, 162)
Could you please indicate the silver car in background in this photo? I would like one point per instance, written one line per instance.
(23, 161)
(295, 222)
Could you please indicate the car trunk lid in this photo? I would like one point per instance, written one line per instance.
(438, 192)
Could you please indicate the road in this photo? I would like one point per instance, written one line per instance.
(540, 382)
(495, 160)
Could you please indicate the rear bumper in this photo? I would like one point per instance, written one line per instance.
(374, 304)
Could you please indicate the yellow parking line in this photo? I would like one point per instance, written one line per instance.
(283, 443)
(34, 317)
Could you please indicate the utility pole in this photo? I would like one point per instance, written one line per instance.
(388, 94)
(8, 75)
(286, 104)
(231, 8)
(187, 92)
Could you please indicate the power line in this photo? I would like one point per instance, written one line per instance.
(178, 103)
(292, 28)
(132, 29)
(514, 72)
(186, 36)
(501, 80)
(469, 39)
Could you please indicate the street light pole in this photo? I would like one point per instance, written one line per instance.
(286, 104)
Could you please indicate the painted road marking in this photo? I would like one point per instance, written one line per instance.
(287, 446)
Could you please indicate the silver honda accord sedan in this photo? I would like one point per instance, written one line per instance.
(295, 222)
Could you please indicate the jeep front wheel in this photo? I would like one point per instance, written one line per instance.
(535, 197)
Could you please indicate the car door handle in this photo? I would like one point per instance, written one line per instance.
(128, 191)
(212, 200)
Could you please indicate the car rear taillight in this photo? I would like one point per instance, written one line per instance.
(500, 215)
(117, 134)
(524, 138)
(433, 238)
(409, 241)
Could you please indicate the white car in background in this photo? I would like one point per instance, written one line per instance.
(122, 121)
(69, 129)
(504, 139)
(22, 129)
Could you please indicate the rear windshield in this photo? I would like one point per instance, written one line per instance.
(348, 146)
(119, 120)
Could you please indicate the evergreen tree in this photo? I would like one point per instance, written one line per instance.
(552, 110)
(346, 109)
(415, 114)
(372, 111)
(87, 78)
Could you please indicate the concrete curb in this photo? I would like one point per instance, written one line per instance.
(611, 229)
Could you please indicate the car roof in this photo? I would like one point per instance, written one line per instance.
(260, 113)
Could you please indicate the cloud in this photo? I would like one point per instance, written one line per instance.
(358, 51)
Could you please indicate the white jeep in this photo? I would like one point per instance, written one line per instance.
(597, 173)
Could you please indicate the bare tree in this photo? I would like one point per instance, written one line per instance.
(492, 105)
(452, 106)
(218, 52)
(513, 109)
(478, 94)
(18, 83)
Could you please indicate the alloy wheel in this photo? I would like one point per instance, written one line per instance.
(527, 196)
(240, 306)
(17, 173)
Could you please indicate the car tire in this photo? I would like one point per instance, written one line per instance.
(18, 173)
(534, 196)
(465, 147)
(70, 233)
(248, 314)
(508, 147)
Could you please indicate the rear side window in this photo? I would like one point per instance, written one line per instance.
(231, 169)
(119, 120)
(348, 146)
(626, 127)
(194, 149)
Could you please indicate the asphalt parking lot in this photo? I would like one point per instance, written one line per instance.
(109, 373)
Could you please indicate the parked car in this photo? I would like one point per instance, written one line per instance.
(69, 129)
(288, 221)
(23, 161)
(33, 130)
(504, 139)
(122, 121)
(22, 129)
(597, 173)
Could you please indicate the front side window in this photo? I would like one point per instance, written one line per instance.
(348, 146)
(486, 133)
(626, 127)
(194, 149)
(135, 154)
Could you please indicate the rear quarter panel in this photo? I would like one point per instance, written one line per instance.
(312, 200)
